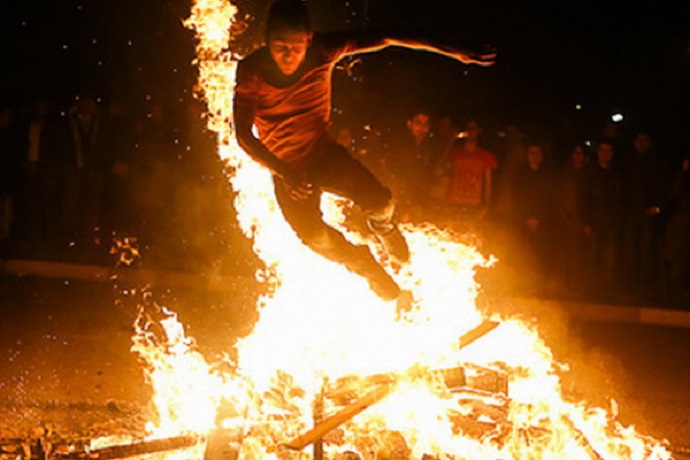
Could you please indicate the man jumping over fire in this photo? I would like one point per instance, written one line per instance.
(284, 89)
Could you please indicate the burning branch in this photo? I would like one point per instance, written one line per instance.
(583, 439)
(478, 332)
(344, 415)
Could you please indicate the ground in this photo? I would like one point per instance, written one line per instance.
(66, 360)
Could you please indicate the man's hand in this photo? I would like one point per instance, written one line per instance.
(485, 57)
(297, 184)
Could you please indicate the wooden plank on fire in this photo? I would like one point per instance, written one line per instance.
(478, 332)
(583, 439)
(131, 450)
(340, 417)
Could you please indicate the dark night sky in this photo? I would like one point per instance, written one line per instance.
(632, 56)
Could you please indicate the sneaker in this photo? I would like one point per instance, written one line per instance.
(361, 261)
(385, 287)
(394, 245)
(403, 303)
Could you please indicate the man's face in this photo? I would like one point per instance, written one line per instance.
(535, 155)
(604, 154)
(578, 157)
(473, 130)
(643, 142)
(288, 48)
(419, 126)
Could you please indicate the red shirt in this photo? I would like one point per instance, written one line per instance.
(467, 174)
(293, 119)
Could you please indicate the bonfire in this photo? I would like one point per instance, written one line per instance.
(330, 370)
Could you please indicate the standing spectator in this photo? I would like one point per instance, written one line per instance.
(471, 170)
(119, 213)
(512, 156)
(602, 210)
(445, 135)
(412, 160)
(645, 193)
(200, 231)
(533, 209)
(40, 206)
(613, 132)
(676, 241)
(89, 159)
(10, 166)
(153, 181)
(571, 228)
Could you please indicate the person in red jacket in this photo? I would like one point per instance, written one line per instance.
(284, 90)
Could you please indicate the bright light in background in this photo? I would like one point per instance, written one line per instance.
(617, 117)
(578, 106)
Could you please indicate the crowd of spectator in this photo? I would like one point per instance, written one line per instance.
(604, 219)
(82, 175)
(607, 219)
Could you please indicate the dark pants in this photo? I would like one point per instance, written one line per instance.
(339, 173)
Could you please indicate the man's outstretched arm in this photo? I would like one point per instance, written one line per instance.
(369, 42)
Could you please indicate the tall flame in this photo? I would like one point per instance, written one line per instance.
(319, 323)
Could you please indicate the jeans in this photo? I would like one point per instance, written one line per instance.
(336, 171)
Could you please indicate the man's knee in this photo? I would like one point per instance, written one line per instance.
(327, 242)
(316, 239)
(380, 219)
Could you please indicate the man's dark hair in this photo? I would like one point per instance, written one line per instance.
(608, 141)
(287, 14)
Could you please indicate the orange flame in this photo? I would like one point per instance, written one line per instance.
(320, 323)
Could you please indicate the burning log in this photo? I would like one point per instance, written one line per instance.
(680, 450)
(583, 439)
(130, 450)
(347, 413)
(478, 332)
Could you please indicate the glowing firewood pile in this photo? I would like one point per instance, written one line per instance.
(482, 412)
(483, 395)
(480, 386)
(364, 383)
